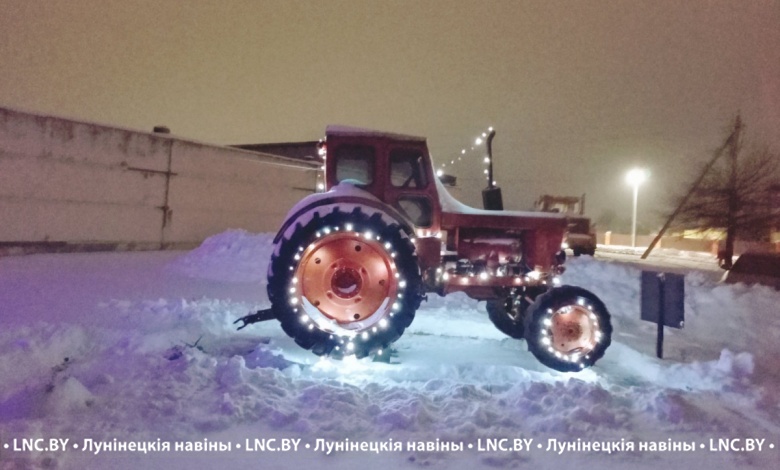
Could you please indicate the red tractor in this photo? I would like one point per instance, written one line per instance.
(352, 264)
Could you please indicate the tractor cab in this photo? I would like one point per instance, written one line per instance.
(396, 169)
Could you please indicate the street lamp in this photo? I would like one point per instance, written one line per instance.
(635, 177)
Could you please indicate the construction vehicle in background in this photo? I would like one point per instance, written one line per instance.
(580, 236)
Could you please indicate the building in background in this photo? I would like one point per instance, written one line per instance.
(69, 185)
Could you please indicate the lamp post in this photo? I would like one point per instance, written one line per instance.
(635, 177)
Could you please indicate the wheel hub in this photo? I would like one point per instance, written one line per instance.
(573, 330)
(346, 283)
(348, 278)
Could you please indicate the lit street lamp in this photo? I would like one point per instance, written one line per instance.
(635, 177)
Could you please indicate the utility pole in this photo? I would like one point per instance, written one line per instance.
(633, 218)
(731, 227)
(730, 142)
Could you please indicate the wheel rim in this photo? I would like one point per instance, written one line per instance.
(346, 282)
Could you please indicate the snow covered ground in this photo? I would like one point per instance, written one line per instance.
(140, 347)
(668, 259)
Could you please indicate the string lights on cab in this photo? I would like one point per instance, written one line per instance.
(322, 152)
(476, 148)
(321, 314)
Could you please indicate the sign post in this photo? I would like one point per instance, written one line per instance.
(663, 303)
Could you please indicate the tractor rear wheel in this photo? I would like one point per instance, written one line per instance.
(344, 283)
(568, 328)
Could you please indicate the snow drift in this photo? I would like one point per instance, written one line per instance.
(143, 347)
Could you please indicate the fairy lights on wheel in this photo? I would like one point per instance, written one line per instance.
(571, 332)
(346, 282)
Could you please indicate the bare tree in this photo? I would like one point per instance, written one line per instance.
(734, 195)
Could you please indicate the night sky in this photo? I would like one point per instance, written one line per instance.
(578, 91)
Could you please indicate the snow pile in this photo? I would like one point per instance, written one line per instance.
(126, 363)
(717, 316)
(232, 256)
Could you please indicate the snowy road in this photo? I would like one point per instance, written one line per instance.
(136, 347)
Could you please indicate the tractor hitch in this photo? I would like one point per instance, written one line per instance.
(257, 317)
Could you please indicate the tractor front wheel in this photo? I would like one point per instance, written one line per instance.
(568, 328)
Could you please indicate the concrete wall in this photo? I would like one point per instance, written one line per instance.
(69, 182)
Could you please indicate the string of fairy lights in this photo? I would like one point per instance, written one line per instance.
(322, 153)
(468, 153)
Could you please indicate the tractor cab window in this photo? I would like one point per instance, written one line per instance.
(355, 163)
(407, 169)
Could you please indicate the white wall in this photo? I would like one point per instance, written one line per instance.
(82, 183)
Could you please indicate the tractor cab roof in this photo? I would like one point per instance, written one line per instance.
(346, 131)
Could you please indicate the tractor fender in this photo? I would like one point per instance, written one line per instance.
(346, 197)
